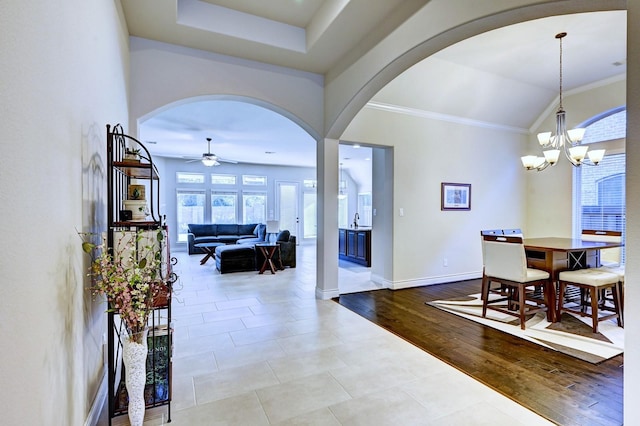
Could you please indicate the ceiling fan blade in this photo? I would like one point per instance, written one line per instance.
(223, 160)
(191, 159)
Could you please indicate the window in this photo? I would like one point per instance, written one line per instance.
(254, 207)
(343, 211)
(183, 177)
(364, 209)
(599, 192)
(224, 207)
(602, 194)
(310, 217)
(254, 180)
(223, 179)
(190, 210)
(607, 126)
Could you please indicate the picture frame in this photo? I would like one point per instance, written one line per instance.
(455, 196)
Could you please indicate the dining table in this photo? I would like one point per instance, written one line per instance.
(557, 254)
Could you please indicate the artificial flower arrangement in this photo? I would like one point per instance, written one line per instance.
(130, 275)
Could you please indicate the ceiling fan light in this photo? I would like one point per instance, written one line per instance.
(209, 162)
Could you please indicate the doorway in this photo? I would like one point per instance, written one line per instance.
(288, 202)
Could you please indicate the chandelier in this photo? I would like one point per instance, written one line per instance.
(564, 140)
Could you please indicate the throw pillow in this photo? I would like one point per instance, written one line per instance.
(283, 236)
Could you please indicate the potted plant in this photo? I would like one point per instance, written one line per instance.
(132, 154)
(129, 275)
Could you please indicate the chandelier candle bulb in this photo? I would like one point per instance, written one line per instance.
(596, 155)
(578, 153)
(544, 138)
(552, 156)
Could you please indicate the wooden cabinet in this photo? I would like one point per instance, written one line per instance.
(354, 245)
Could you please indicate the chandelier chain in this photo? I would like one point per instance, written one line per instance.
(560, 36)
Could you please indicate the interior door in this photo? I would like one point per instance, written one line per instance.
(288, 207)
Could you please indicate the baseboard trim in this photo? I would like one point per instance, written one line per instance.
(377, 279)
(327, 294)
(97, 403)
(443, 279)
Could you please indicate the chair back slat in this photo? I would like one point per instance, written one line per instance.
(491, 232)
(505, 257)
(488, 232)
(610, 256)
(515, 232)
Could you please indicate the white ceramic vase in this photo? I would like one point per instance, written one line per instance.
(134, 356)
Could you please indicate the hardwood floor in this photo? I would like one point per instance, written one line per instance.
(563, 389)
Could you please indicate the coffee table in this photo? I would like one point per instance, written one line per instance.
(209, 250)
(269, 250)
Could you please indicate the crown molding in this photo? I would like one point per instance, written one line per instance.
(444, 117)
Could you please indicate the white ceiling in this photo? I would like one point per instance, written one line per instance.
(507, 77)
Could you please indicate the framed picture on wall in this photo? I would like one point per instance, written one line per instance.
(455, 196)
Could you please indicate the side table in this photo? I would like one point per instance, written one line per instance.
(209, 250)
(269, 251)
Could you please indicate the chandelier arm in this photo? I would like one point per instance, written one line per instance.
(543, 166)
(567, 146)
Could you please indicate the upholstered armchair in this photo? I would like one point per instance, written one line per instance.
(287, 243)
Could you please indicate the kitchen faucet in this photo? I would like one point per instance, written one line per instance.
(355, 220)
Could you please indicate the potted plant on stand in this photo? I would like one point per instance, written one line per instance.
(132, 155)
(130, 277)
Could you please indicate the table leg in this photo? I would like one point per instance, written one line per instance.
(268, 259)
(209, 254)
(552, 300)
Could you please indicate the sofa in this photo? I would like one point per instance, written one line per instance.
(243, 255)
(222, 233)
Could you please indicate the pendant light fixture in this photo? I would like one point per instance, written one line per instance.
(342, 194)
(564, 140)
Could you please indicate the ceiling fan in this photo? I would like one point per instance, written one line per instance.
(209, 159)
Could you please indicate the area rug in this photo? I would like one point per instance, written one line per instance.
(572, 335)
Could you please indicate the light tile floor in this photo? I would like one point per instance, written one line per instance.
(255, 349)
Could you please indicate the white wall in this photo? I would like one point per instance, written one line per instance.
(427, 153)
(163, 74)
(632, 268)
(63, 73)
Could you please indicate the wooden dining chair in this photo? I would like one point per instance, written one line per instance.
(593, 281)
(506, 262)
(610, 260)
(502, 290)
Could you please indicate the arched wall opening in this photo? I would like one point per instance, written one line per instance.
(249, 137)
